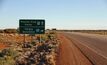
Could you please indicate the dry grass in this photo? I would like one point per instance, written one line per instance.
(14, 42)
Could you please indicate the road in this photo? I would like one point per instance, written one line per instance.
(82, 49)
(69, 54)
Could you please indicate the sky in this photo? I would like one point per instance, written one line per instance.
(60, 14)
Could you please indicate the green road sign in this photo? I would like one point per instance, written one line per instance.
(29, 26)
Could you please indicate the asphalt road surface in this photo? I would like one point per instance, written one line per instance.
(69, 54)
(82, 49)
(92, 46)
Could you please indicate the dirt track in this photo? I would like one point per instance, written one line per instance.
(69, 54)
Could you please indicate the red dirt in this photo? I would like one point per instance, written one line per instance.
(2, 46)
(14, 38)
(69, 54)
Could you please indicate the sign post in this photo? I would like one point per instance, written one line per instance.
(24, 38)
(31, 26)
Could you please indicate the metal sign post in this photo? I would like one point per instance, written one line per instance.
(24, 38)
(32, 35)
(40, 38)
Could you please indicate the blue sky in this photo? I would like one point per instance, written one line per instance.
(61, 14)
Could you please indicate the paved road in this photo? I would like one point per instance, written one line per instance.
(69, 54)
(93, 46)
